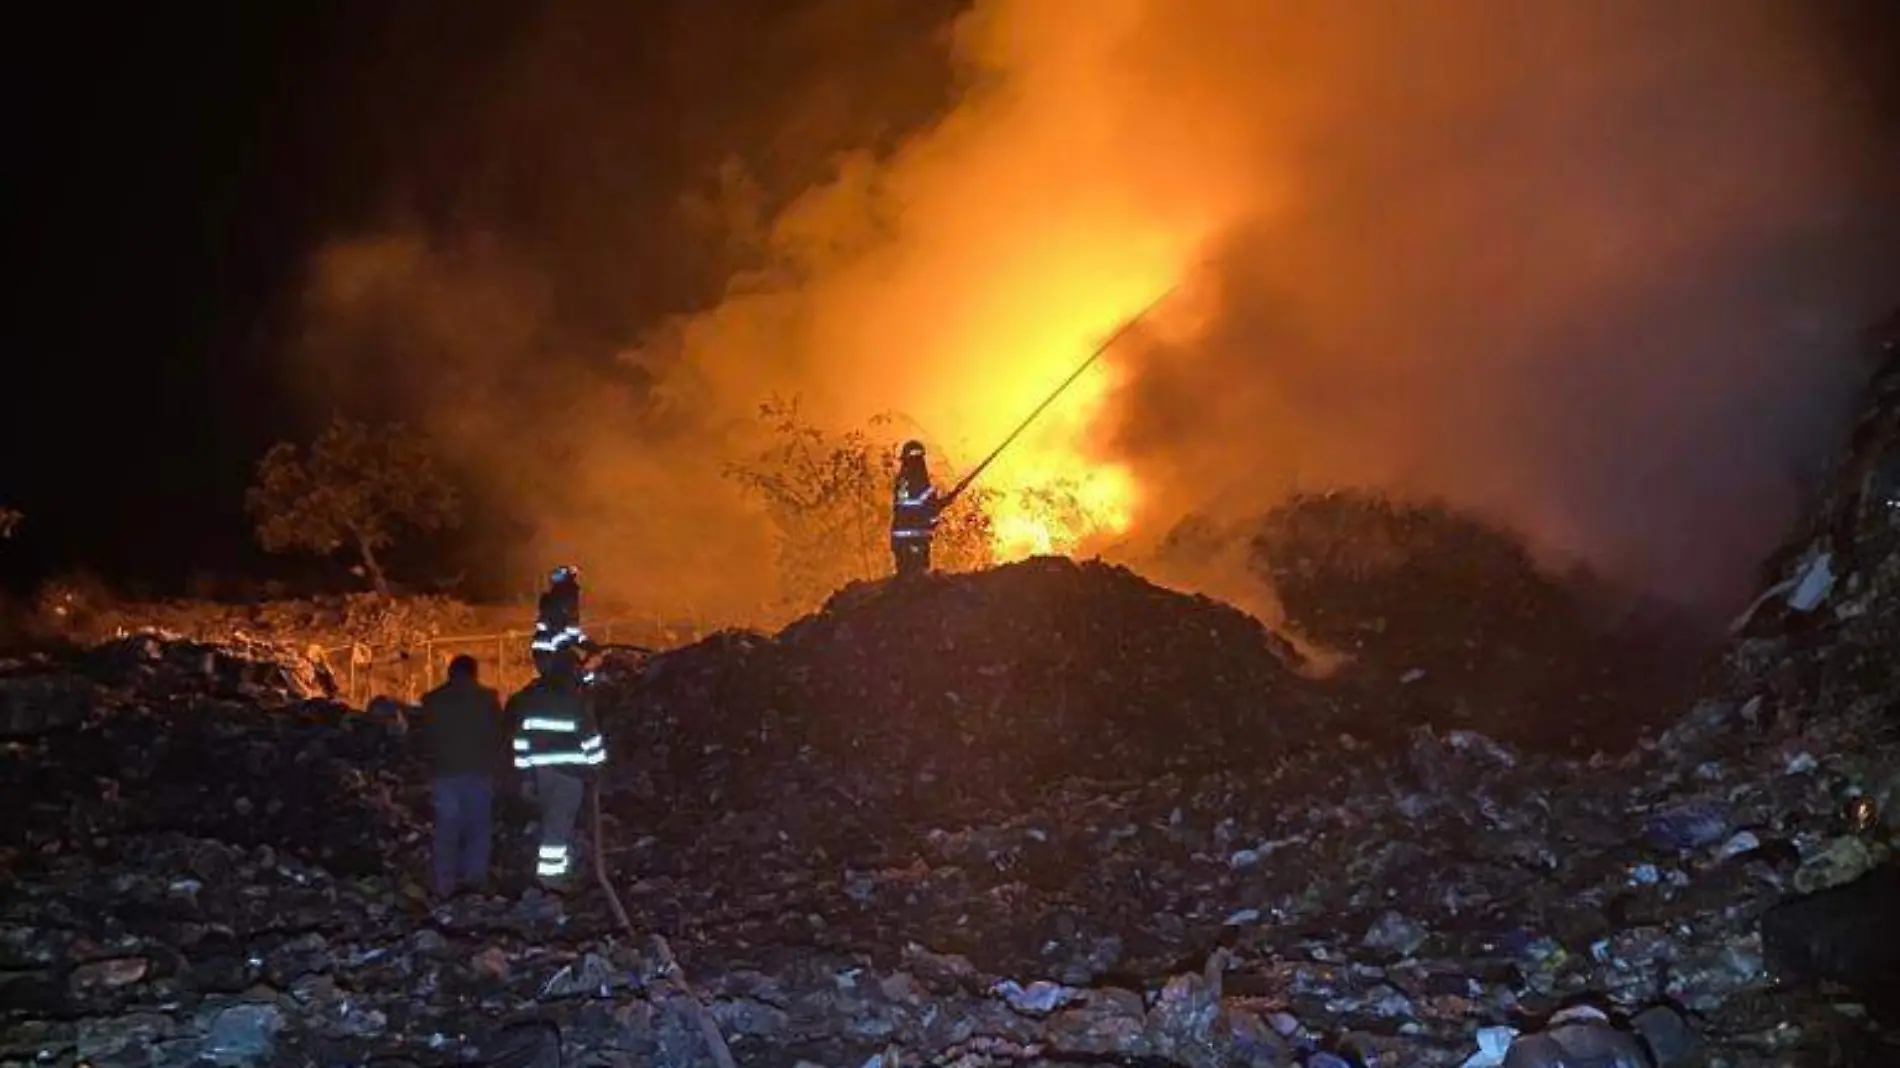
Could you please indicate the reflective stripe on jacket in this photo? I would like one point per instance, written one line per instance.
(555, 727)
(913, 510)
(557, 623)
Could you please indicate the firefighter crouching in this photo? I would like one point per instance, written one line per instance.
(557, 620)
(558, 739)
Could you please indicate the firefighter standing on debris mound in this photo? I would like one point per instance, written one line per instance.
(557, 620)
(915, 508)
(559, 740)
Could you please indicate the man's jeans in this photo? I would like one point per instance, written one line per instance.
(463, 831)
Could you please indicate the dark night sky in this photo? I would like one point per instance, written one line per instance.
(171, 168)
(176, 162)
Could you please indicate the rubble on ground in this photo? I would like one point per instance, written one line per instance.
(1450, 617)
(322, 646)
(898, 830)
(87, 615)
(43, 692)
(1039, 815)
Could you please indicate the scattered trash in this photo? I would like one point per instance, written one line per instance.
(1037, 999)
(1395, 934)
(1186, 851)
(1814, 584)
(1493, 1044)
(1738, 844)
(1577, 1038)
(1690, 825)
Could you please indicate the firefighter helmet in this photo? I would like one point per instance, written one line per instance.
(913, 449)
(565, 573)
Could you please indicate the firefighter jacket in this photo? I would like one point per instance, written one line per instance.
(557, 622)
(555, 727)
(913, 509)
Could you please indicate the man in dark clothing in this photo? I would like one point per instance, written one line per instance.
(557, 738)
(915, 509)
(557, 620)
(462, 726)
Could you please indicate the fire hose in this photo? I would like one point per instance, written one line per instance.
(708, 1029)
(674, 974)
(1100, 349)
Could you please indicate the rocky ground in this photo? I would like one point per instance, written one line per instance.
(1046, 814)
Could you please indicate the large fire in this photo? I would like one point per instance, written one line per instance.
(1050, 491)
(1034, 222)
(960, 281)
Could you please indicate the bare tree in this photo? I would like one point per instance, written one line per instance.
(353, 488)
(827, 497)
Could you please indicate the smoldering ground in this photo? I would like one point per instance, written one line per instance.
(1591, 268)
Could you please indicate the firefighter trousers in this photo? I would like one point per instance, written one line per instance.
(560, 793)
(913, 556)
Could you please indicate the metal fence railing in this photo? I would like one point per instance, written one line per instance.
(408, 670)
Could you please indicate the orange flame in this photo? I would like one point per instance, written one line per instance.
(1050, 491)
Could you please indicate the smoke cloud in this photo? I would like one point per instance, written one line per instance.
(1592, 268)
(571, 462)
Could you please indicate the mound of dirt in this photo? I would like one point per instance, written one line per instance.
(966, 685)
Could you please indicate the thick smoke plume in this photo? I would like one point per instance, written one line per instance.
(1593, 267)
(575, 464)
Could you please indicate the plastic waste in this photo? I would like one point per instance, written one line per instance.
(1816, 582)
(1670, 1039)
(1493, 1044)
(1578, 1038)
(242, 1034)
(1583, 1037)
(1738, 844)
(1039, 998)
(1690, 825)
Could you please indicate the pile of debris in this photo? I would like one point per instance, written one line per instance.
(971, 687)
(45, 691)
(321, 645)
(1452, 616)
(86, 615)
(200, 868)
(1048, 813)
(150, 738)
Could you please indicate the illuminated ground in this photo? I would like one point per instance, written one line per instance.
(192, 875)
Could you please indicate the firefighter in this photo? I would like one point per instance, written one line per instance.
(557, 622)
(915, 508)
(558, 739)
